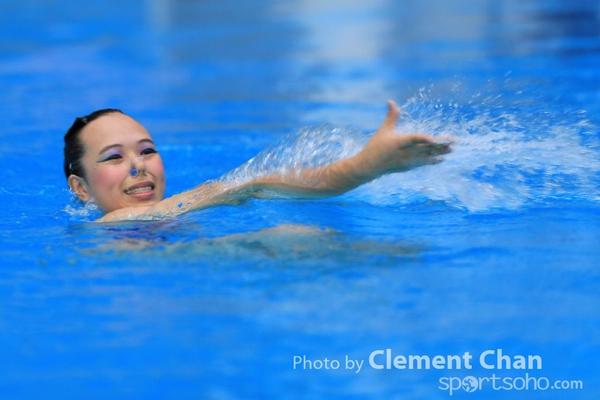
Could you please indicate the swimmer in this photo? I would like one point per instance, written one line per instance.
(111, 159)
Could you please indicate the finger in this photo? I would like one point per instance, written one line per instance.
(442, 148)
(392, 115)
(431, 149)
(449, 140)
(432, 160)
(408, 142)
(419, 138)
(438, 140)
(435, 160)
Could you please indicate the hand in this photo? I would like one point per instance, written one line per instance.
(388, 151)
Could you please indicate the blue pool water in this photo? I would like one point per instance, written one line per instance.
(496, 249)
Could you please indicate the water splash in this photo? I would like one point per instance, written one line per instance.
(78, 210)
(509, 153)
(505, 156)
(307, 148)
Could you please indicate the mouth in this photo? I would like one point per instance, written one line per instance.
(142, 189)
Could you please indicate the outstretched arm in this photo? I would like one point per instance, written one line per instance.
(386, 152)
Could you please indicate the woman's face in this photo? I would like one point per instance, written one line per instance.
(121, 164)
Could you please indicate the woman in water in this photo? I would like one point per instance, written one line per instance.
(109, 158)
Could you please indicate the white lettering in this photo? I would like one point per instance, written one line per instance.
(419, 360)
(400, 362)
(350, 364)
(538, 361)
(372, 359)
(482, 359)
(438, 362)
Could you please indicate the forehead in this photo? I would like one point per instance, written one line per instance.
(110, 129)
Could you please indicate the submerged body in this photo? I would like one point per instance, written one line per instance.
(124, 175)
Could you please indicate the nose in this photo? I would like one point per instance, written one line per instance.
(138, 165)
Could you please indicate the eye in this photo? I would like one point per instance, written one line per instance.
(147, 151)
(112, 157)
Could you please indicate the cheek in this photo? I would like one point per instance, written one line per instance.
(157, 168)
(106, 178)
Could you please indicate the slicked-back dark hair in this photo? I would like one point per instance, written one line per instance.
(73, 152)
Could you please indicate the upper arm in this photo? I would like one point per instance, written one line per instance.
(124, 214)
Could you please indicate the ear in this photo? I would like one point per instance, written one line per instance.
(79, 186)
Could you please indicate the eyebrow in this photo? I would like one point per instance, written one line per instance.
(111, 146)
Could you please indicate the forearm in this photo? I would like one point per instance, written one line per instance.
(331, 180)
(209, 194)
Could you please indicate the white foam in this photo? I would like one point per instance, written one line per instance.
(309, 147)
(504, 156)
(78, 210)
